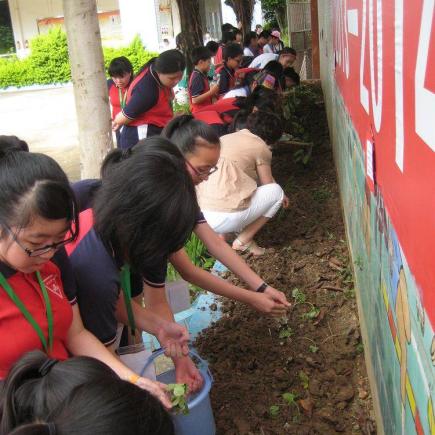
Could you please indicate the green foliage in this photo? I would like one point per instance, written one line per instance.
(312, 314)
(198, 255)
(48, 61)
(321, 194)
(305, 380)
(135, 52)
(272, 8)
(313, 348)
(298, 296)
(290, 398)
(6, 39)
(274, 411)
(286, 333)
(178, 394)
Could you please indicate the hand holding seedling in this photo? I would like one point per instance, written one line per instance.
(178, 396)
(273, 303)
(186, 372)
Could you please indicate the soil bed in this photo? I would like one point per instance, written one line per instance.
(317, 357)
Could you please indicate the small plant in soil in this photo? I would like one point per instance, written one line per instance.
(359, 348)
(178, 396)
(305, 380)
(298, 296)
(274, 411)
(285, 333)
(313, 313)
(313, 348)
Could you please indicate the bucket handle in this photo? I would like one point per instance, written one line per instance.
(193, 353)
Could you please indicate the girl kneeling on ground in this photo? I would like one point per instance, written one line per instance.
(201, 149)
(242, 195)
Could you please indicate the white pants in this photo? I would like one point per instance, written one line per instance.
(265, 201)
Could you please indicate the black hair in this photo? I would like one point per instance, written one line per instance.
(264, 34)
(232, 50)
(292, 74)
(261, 96)
(186, 132)
(246, 61)
(238, 32)
(248, 79)
(180, 42)
(146, 207)
(119, 67)
(169, 62)
(98, 408)
(249, 36)
(227, 27)
(239, 121)
(274, 68)
(12, 143)
(288, 50)
(213, 46)
(36, 385)
(200, 53)
(33, 184)
(266, 125)
(228, 37)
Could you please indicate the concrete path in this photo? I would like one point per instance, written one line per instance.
(46, 120)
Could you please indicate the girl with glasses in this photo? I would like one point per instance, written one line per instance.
(201, 148)
(38, 303)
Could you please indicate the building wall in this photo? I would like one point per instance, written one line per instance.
(377, 72)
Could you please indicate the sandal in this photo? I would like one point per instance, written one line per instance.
(251, 248)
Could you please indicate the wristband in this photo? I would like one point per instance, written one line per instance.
(262, 287)
(133, 378)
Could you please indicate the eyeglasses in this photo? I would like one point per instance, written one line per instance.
(40, 251)
(202, 174)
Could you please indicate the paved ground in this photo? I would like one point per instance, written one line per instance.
(46, 119)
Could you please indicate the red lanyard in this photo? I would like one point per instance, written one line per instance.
(20, 305)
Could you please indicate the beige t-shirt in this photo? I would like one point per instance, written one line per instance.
(230, 188)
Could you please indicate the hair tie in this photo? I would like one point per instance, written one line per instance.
(51, 428)
(47, 366)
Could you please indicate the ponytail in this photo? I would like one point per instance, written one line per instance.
(113, 158)
(36, 429)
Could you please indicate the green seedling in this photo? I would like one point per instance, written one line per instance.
(312, 314)
(290, 398)
(313, 348)
(305, 381)
(359, 348)
(359, 263)
(285, 333)
(178, 396)
(274, 410)
(298, 296)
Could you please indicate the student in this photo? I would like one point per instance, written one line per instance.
(38, 303)
(201, 149)
(232, 56)
(144, 210)
(238, 36)
(263, 39)
(200, 92)
(79, 395)
(231, 200)
(228, 37)
(213, 47)
(275, 44)
(251, 44)
(246, 85)
(291, 78)
(121, 74)
(286, 58)
(148, 106)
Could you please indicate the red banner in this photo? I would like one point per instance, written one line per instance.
(385, 70)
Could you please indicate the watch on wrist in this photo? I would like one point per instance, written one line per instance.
(262, 288)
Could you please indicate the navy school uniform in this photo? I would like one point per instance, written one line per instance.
(148, 106)
(227, 79)
(97, 272)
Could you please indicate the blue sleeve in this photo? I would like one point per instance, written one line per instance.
(144, 96)
(224, 82)
(196, 87)
(84, 191)
(61, 260)
(110, 83)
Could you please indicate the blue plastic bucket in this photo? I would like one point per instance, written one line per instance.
(200, 420)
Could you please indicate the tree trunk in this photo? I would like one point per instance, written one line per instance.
(90, 88)
(191, 28)
(244, 10)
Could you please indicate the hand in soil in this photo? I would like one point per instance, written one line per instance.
(271, 303)
(187, 373)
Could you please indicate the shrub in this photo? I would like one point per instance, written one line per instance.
(48, 61)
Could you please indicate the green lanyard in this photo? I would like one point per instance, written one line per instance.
(126, 288)
(122, 98)
(17, 301)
